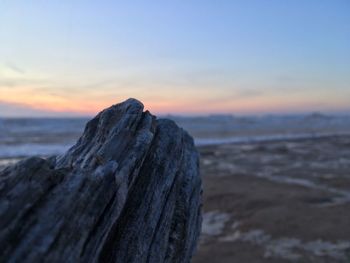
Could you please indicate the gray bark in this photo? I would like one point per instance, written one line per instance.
(128, 191)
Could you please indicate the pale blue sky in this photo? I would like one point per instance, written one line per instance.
(176, 56)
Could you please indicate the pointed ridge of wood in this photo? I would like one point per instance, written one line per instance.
(129, 190)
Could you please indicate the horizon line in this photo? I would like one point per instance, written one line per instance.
(191, 115)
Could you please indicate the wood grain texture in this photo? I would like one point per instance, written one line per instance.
(128, 191)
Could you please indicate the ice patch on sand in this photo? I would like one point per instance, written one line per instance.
(214, 222)
(289, 248)
(283, 248)
(323, 248)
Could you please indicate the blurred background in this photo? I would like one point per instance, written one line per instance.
(262, 86)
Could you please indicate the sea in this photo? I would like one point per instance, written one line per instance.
(24, 137)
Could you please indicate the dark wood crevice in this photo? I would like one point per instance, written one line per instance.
(129, 190)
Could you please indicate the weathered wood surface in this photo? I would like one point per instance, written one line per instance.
(128, 191)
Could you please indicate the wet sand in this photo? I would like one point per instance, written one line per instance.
(283, 201)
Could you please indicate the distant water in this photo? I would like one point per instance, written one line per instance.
(42, 137)
(20, 138)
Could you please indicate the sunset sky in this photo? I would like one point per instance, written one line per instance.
(72, 58)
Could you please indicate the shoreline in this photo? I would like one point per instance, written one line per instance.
(268, 138)
(56, 149)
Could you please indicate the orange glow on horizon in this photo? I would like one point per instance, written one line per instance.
(90, 106)
(189, 102)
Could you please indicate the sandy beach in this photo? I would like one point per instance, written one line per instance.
(282, 201)
(269, 195)
(175, 131)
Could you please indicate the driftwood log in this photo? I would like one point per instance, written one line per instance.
(128, 191)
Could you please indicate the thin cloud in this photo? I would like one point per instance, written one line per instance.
(20, 82)
(15, 68)
(10, 109)
(16, 109)
(248, 93)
